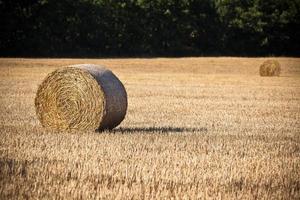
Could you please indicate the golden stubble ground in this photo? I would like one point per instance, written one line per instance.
(196, 128)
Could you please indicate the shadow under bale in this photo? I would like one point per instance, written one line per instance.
(167, 129)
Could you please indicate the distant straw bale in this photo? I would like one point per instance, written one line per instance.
(82, 97)
(270, 68)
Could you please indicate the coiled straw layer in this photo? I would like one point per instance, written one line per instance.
(83, 97)
(270, 68)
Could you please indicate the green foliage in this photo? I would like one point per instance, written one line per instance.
(149, 27)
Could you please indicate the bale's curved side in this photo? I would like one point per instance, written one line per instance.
(81, 97)
(114, 94)
(270, 68)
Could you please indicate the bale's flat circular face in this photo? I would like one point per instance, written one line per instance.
(70, 98)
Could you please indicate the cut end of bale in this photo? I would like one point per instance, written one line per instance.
(82, 97)
(270, 68)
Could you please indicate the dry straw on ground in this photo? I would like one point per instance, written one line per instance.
(84, 97)
(197, 128)
(270, 68)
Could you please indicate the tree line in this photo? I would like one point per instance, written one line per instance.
(124, 28)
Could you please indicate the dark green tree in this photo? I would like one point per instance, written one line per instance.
(96, 28)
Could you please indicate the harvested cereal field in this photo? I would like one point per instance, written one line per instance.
(195, 128)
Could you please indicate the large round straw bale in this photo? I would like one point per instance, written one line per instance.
(84, 97)
(270, 68)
